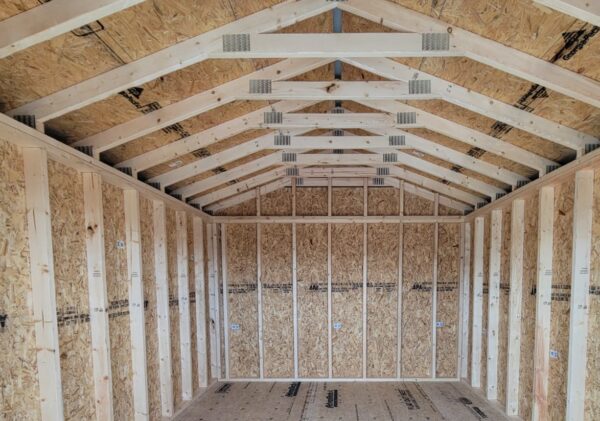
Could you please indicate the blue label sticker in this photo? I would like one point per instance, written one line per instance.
(439, 324)
(337, 325)
(235, 326)
(553, 354)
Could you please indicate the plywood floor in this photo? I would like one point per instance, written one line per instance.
(340, 401)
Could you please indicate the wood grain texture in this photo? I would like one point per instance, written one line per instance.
(417, 300)
(68, 243)
(312, 299)
(447, 300)
(18, 362)
(276, 279)
(243, 310)
(118, 293)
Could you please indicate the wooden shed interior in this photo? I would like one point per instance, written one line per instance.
(300, 210)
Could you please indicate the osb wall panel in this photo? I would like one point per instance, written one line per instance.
(311, 255)
(247, 208)
(276, 278)
(504, 302)
(193, 302)
(72, 302)
(383, 201)
(592, 395)
(382, 294)
(173, 306)
(276, 203)
(311, 201)
(486, 276)
(347, 201)
(417, 206)
(530, 247)
(20, 394)
(152, 359)
(446, 211)
(118, 299)
(347, 278)
(417, 280)
(447, 299)
(561, 293)
(242, 300)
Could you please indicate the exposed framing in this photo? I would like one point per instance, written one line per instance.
(541, 362)
(185, 341)
(517, 239)
(162, 308)
(580, 297)
(225, 298)
(137, 323)
(52, 19)
(465, 300)
(400, 282)
(493, 325)
(96, 271)
(43, 290)
(477, 303)
(200, 290)
(434, 282)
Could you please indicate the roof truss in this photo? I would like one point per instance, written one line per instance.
(586, 10)
(52, 19)
(199, 48)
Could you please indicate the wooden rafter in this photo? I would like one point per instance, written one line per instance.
(480, 103)
(194, 105)
(586, 10)
(466, 135)
(170, 59)
(337, 182)
(52, 19)
(394, 171)
(478, 48)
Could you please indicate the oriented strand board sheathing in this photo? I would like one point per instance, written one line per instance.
(417, 280)
(247, 208)
(383, 201)
(417, 206)
(193, 303)
(382, 294)
(447, 300)
(504, 302)
(14, 7)
(561, 294)
(276, 278)
(119, 38)
(173, 307)
(118, 300)
(592, 389)
(446, 211)
(311, 252)
(72, 302)
(530, 250)
(18, 383)
(152, 359)
(242, 300)
(347, 276)
(277, 203)
(311, 201)
(347, 201)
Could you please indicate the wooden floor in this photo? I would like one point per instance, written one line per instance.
(340, 401)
